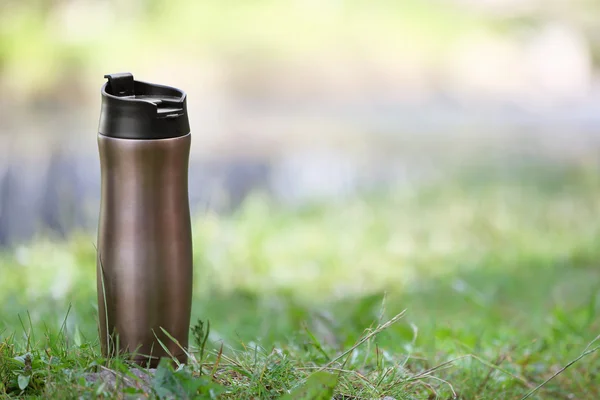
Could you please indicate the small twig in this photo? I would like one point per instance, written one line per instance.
(586, 352)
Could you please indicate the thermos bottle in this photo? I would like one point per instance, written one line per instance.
(144, 260)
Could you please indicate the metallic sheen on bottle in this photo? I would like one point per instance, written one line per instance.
(144, 260)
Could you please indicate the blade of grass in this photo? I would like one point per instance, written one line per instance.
(166, 349)
(108, 335)
(217, 361)
(429, 371)
(315, 342)
(31, 330)
(585, 353)
(27, 334)
(371, 334)
(189, 355)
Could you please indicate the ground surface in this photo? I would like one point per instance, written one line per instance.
(498, 274)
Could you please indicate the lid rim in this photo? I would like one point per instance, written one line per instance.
(160, 114)
(181, 98)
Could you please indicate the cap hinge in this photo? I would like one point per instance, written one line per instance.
(121, 84)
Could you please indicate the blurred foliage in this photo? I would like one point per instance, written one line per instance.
(46, 44)
(41, 41)
(356, 247)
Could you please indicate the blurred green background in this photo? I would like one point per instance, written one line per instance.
(304, 100)
(444, 151)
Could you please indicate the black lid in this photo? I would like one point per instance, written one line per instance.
(139, 110)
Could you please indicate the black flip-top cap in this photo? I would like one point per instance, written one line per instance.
(138, 110)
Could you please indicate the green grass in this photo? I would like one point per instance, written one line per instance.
(498, 274)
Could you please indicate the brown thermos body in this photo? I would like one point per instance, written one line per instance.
(144, 260)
